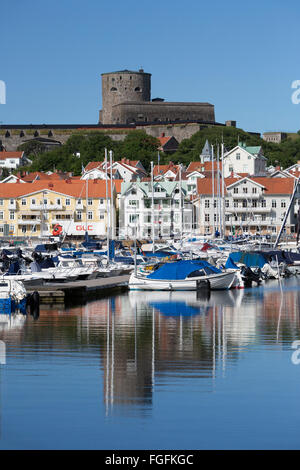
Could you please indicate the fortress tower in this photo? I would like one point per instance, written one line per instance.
(122, 87)
(126, 99)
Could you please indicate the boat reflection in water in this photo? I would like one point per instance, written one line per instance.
(175, 335)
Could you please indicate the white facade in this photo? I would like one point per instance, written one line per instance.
(247, 207)
(244, 160)
(172, 213)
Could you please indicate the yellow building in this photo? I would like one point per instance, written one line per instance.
(33, 209)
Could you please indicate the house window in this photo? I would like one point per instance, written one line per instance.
(133, 203)
(206, 217)
(90, 202)
(24, 229)
(206, 203)
(90, 215)
(33, 202)
(79, 215)
(254, 190)
(245, 190)
(254, 203)
(1, 202)
(11, 215)
(263, 203)
(79, 201)
(45, 202)
(58, 202)
(11, 202)
(1, 215)
(101, 216)
(226, 203)
(238, 156)
(274, 203)
(244, 203)
(133, 218)
(235, 190)
(101, 201)
(23, 202)
(283, 203)
(68, 202)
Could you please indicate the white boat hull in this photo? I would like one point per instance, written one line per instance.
(216, 282)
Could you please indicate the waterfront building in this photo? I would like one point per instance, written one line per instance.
(250, 204)
(33, 209)
(170, 215)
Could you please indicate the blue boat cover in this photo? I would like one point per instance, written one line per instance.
(179, 270)
(249, 259)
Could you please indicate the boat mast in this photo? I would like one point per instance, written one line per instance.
(111, 195)
(223, 189)
(213, 188)
(107, 210)
(181, 205)
(152, 205)
(287, 213)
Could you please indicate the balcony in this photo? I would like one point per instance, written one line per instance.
(29, 221)
(240, 210)
(245, 196)
(46, 207)
(156, 195)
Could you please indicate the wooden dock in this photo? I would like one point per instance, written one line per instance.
(79, 291)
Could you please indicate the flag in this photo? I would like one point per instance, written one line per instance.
(158, 158)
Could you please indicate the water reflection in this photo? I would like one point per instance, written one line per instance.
(144, 341)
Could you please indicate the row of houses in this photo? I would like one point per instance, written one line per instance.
(229, 191)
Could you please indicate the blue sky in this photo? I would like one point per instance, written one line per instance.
(240, 56)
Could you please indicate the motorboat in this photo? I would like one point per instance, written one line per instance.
(183, 275)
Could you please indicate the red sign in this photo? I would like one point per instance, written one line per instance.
(82, 228)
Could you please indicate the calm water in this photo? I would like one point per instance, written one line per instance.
(156, 371)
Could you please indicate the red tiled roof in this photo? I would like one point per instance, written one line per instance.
(276, 185)
(77, 188)
(205, 166)
(4, 155)
(162, 169)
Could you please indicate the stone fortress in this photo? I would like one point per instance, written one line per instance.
(126, 99)
(126, 106)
